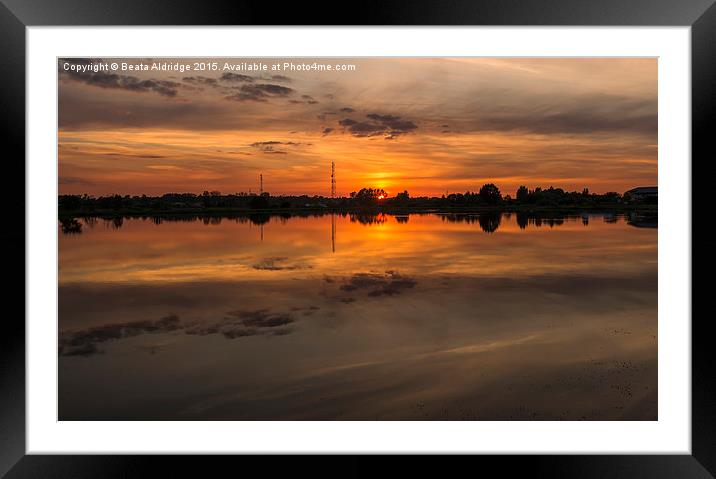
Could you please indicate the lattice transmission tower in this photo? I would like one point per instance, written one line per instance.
(333, 180)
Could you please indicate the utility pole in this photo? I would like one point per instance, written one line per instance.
(261, 184)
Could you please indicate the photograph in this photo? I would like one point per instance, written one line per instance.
(357, 239)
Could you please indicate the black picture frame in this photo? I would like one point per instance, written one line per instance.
(16, 15)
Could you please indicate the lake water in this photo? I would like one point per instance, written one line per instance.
(340, 317)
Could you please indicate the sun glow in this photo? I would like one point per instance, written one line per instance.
(454, 140)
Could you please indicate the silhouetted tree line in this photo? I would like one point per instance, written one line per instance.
(488, 195)
(558, 197)
(187, 201)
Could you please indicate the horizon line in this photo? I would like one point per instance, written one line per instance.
(250, 192)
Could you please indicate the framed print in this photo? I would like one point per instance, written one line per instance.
(429, 231)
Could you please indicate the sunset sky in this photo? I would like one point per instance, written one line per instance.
(426, 125)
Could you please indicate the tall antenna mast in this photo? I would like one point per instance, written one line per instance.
(261, 184)
(333, 180)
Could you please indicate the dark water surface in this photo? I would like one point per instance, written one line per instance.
(434, 317)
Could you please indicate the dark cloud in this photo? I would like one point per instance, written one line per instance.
(200, 80)
(236, 77)
(102, 79)
(261, 92)
(327, 130)
(275, 148)
(382, 118)
(272, 89)
(122, 82)
(366, 129)
(281, 78)
(262, 144)
(395, 123)
(389, 126)
(305, 99)
(347, 110)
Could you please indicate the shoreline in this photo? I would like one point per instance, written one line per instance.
(394, 210)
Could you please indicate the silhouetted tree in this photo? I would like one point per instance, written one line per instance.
(522, 194)
(402, 198)
(490, 194)
(368, 196)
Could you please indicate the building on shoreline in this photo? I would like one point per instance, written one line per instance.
(643, 193)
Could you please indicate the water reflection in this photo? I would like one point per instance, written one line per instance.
(371, 316)
(489, 221)
(643, 221)
(70, 226)
(368, 218)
